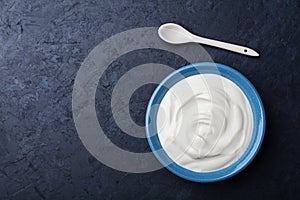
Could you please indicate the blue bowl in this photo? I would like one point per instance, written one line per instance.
(259, 121)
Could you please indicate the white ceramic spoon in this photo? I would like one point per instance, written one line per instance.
(175, 34)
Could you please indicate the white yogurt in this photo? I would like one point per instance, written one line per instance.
(205, 122)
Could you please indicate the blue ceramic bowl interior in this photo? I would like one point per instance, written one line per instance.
(258, 119)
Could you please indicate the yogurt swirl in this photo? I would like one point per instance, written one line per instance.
(205, 122)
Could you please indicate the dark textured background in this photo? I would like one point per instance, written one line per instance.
(42, 44)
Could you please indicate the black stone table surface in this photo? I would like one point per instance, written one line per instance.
(42, 45)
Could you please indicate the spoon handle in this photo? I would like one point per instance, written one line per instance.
(225, 45)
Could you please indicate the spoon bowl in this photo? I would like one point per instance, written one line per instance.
(174, 34)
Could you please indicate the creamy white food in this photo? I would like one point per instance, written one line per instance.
(205, 122)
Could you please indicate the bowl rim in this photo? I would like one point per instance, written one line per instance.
(259, 121)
